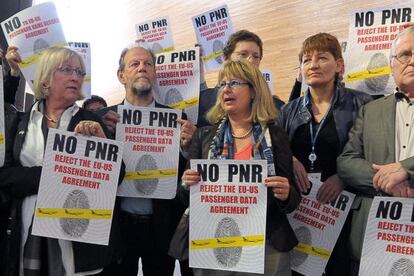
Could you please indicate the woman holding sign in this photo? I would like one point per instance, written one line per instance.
(318, 124)
(59, 77)
(242, 116)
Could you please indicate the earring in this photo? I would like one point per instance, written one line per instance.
(45, 88)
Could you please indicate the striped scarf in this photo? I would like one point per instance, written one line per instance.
(222, 145)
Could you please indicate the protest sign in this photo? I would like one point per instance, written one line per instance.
(77, 187)
(317, 227)
(371, 33)
(212, 29)
(267, 75)
(32, 31)
(151, 139)
(84, 50)
(157, 34)
(178, 81)
(228, 215)
(388, 247)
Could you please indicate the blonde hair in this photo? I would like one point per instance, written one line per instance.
(51, 59)
(263, 109)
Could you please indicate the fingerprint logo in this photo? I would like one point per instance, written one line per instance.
(304, 236)
(39, 45)
(146, 186)
(173, 96)
(227, 257)
(402, 267)
(377, 84)
(156, 47)
(218, 45)
(75, 227)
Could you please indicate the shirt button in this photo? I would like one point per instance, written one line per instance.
(407, 124)
(404, 147)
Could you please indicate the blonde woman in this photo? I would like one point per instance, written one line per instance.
(58, 81)
(243, 111)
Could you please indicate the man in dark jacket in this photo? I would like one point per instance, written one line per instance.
(147, 224)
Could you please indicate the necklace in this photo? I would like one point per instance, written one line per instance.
(50, 119)
(243, 135)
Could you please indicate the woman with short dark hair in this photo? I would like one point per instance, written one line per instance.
(318, 124)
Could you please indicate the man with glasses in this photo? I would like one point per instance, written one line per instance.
(379, 156)
(240, 45)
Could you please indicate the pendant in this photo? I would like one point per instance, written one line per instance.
(312, 157)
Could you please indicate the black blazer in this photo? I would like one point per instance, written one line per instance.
(278, 229)
(18, 182)
(166, 212)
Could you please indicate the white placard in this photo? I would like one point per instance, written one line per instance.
(371, 33)
(152, 141)
(228, 215)
(32, 31)
(84, 50)
(212, 29)
(157, 34)
(317, 227)
(178, 81)
(388, 247)
(77, 187)
(267, 75)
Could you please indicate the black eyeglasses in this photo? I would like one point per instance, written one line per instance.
(67, 71)
(233, 84)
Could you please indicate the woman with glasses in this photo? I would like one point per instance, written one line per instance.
(318, 124)
(57, 86)
(243, 111)
(241, 45)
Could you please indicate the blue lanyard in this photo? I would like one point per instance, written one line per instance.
(312, 156)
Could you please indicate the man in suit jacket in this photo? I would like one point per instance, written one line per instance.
(379, 156)
(146, 224)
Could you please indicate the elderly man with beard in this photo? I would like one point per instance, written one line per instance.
(378, 159)
(146, 224)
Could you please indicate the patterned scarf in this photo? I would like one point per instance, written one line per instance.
(222, 145)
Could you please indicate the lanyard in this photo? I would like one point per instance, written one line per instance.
(312, 156)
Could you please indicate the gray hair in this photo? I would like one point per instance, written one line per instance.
(136, 44)
(409, 30)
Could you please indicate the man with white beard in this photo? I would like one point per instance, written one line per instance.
(147, 224)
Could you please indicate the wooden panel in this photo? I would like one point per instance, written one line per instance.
(282, 25)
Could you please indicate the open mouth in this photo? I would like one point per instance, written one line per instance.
(229, 100)
(72, 87)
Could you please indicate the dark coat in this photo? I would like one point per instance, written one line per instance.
(19, 182)
(11, 84)
(346, 104)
